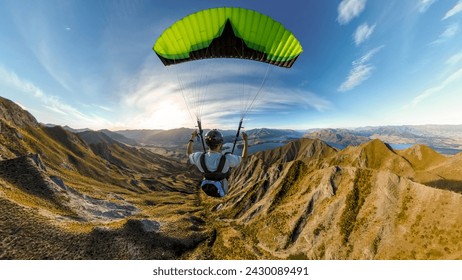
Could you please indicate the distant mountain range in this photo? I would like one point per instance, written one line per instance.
(180, 136)
(446, 139)
(87, 195)
(173, 141)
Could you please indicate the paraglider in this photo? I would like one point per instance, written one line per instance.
(229, 33)
(215, 166)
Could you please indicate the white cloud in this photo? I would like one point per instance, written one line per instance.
(368, 56)
(360, 71)
(363, 32)
(104, 108)
(349, 9)
(280, 98)
(51, 103)
(155, 103)
(12, 79)
(358, 74)
(448, 33)
(156, 99)
(455, 76)
(423, 5)
(454, 59)
(454, 10)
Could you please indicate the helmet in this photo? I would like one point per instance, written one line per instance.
(213, 138)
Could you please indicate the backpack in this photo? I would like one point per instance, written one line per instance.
(212, 184)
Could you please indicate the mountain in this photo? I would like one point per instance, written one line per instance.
(412, 131)
(446, 139)
(66, 195)
(179, 136)
(172, 142)
(68, 128)
(13, 114)
(64, 198)
(279, 134)
(308, 201)
(340, 138)
(172, 137)
(119, 137)
(141, 136)
(421, 157)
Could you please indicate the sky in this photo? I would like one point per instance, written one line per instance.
(90, 64)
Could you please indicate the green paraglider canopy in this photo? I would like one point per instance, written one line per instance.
(228, 33)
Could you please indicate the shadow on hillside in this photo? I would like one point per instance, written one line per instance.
(26, 236)
(451, 185)
(133, 242)
(29, 174)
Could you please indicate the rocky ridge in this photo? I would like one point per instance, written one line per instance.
(307, 200)
(65, 196)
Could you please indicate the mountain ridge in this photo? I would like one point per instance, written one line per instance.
(343, 206)
(67, 197)
(444, 138)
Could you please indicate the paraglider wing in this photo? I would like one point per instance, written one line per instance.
(228, 32)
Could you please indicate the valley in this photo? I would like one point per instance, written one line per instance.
(85, 195)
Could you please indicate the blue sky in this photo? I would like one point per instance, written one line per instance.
(91, 64)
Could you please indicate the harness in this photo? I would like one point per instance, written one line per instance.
(218, 174)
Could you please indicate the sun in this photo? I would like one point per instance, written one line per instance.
(166, 115)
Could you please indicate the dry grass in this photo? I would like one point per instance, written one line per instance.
(301, 201)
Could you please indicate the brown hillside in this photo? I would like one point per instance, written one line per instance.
(26, 234)
(64, 198)
(61, 200)
(264, 169)
(449, 174)
(301, 149)
(360, 209)
(376, 155)
(422, 157)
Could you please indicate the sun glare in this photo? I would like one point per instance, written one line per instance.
(166, 115)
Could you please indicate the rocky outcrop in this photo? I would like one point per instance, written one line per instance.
(29, 174)
(26, 234)
(13, 114)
